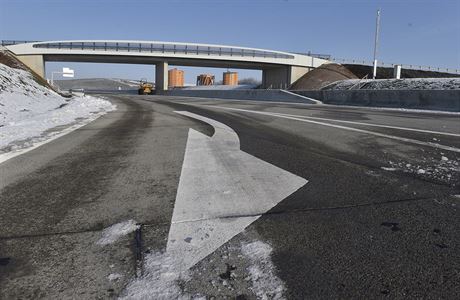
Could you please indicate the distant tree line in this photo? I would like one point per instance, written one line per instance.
(249, 81)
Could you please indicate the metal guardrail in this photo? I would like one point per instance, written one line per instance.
(14, 42)
(403, 66)
(315, 55)
(152, 47)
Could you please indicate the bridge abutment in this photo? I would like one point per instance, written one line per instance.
(35, 62)
(161, 76)
(282, 77)
(297, 72)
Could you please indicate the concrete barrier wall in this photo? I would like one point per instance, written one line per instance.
(447, 100)
(259, 95)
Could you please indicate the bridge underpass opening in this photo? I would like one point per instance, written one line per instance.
(247, 78)
(125, 77)
(101, 76)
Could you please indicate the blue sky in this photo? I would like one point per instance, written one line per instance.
(413, 32)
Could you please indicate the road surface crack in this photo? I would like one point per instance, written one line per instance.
(300, 210)
(138, 235)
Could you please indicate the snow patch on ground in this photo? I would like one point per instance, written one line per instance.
(29, 111)
(114, 232)
(440, 168)
(114, 276)
(397, 84)
(160, 280)
(265, 283)
(421, 171)
(36, 122)
(388, 169)
(163, 277)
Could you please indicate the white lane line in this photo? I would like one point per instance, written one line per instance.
(315, 101)
(373, 125)
(417, 142)
(217, 180)
(347, 122)
(319, 106)
(9, 155)
(224, 135)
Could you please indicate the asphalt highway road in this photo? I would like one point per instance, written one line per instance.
(378, 218)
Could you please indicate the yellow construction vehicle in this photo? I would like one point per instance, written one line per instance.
(145, 88)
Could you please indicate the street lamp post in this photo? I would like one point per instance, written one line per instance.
(376, 44)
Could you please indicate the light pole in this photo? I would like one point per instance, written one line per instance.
(376, 44)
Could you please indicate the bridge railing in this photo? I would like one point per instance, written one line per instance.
(15, 42)
(152, 47)
(315, 55)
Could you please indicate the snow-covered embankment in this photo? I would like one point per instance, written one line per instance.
(396, 84)
(30, 112)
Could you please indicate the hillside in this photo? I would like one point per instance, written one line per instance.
(31, 112)
(98, 84)
(397, 84)
(322, 76)
(7, 59)
(387, 73)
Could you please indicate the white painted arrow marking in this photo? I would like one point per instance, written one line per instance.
(222, 190)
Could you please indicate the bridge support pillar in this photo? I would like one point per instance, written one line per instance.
(282, 77)
(161, 76)
(297, 72)
(35, 62)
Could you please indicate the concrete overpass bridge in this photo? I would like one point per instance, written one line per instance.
(279, 69)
